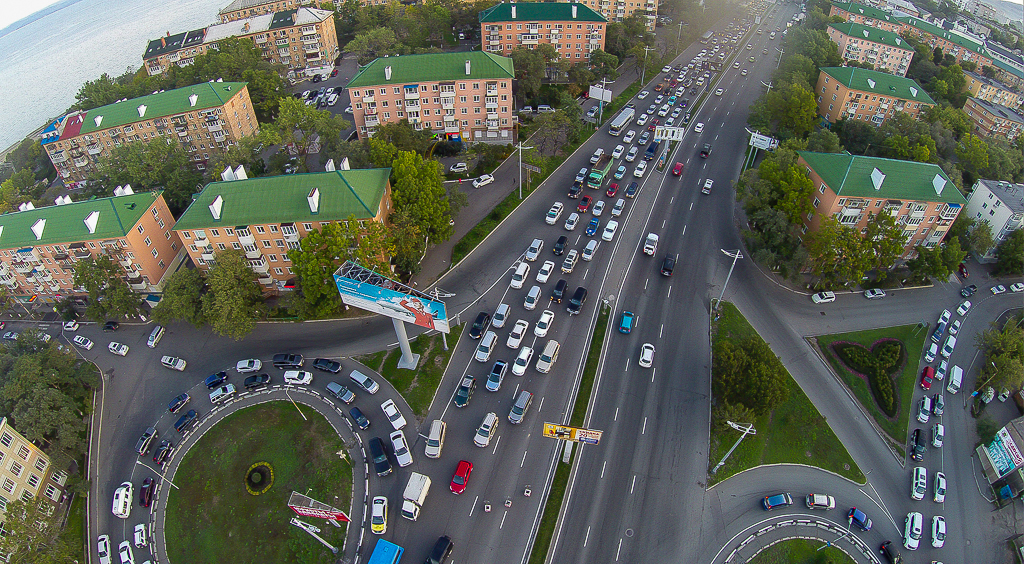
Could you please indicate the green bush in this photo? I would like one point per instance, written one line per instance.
(878, 365)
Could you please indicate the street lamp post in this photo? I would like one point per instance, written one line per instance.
(158, 475)
(643, 73)
(736, 255)
(747, 429)
(520, 147)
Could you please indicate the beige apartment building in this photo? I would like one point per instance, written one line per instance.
(39, 247)
(990, 119)
(204, 118)
(571, 28)
(866, 15)
(618, 10)
(234, 214)
(866, 95)
(300, 39)
(853, 189)
(885, 50)
(463, 95)
(242, 9)
(26, 472)
(992, 91)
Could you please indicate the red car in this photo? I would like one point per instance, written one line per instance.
(585, 202)
(678, 169)
(334, 73)
(461, 476)
(613, 189)
(654, 123)
(927, 375)
(146, 492)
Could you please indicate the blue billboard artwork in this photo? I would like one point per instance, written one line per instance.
(415, 309)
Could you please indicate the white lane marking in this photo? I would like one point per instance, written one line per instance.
(496, 445)
(672, 199)
(586, 538)
(662, 330)
(653, 372)
(645, 283)
(603, 464)
(541, 406)
(632, 484)
(669, 292)
(663, 223)
(617, 551)
(473, 507)
(684, 230)
(644, 430)
(503, 515)
(691, 205)
(616, 417)
(521, 464)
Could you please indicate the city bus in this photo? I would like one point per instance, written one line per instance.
(621, 121)
(386, 553)
(707, 37)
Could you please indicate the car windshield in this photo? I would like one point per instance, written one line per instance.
(458, 480)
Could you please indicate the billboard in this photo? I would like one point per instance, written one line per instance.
(365, 289)
(669, 133)
(1003, 453)
(576, 434)
(309, 507)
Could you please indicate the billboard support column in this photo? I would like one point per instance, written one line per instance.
(408, 360)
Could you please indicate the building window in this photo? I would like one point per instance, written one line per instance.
(156, 253)
(141, 229)
(259, 229)
(26, 495)
(817, 202)
(267, 244)
(148, 242)
(278, 271)
(33, 480)
(273, 258)
(186, 234)
(40, 464)
(821, 189)
(307, 226)
(9, 485)
(215, 232)
(51, 492)
(17, 468)
(6, 440)
(220, 246)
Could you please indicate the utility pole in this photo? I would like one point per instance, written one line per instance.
(643, 74)
(781, 52)
(520, 147)
(600, 102)
(736, 255)
(678, 33)
(747, 430)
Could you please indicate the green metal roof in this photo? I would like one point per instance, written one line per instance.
(66, 223)
(880, 83)
(1012, 70)
(282, 199)
(161, 104)
(432, 67)
(933, 29)
(868, 33)
(866, 11)
(851, 176)
(540, 12)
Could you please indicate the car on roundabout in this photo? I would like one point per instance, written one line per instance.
(248, 365)
(379, 515)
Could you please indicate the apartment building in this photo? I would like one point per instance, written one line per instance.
(852, 189)
(871, 96)
(990, 119)
(234, 214)
(26, 472)
(885, 50)
(463, 95)
(618, 10)
(300, 39)
(242, 9)
(959, 45)
(571, 28)
(204, 118)
(999, 203)
(991, 90)
(39, 247)
(866, 15)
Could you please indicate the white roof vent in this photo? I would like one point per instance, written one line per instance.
(467, 67)
(513, 12)
(314, 200)
(574, 11)
(228, 175)
(37, 228)
(128, 190)
(329, 167)
(913, 91)
(91, 220)
(216, 206)
(98, 120)
(865, 32)
(193, 99)
(898, 41)
(221, 79)
(877, 178)
(344, 165)
(240, 173)
(62, 200)
(142, 110)
(871, 83)
(26, 206)
(938, 183)
(387, 72)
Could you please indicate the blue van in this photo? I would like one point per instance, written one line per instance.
(626, 324)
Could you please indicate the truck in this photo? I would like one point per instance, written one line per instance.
(652, 150)
(599, 172)
(651, 244)
(415, 494)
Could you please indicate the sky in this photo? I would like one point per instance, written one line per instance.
(13, 10)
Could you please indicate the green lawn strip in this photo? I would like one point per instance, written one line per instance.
(212, 518)
(793, 432)
(416, 386)
(74, 529)
(561, 480)
(914, 340)
(801, 551)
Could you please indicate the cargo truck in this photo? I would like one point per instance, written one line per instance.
(415, 494)
(599, 172)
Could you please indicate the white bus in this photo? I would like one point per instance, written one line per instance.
(624, 118)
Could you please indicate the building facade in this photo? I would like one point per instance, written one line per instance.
(242, 9)
(990, 119)
(959, 45)
(885, 50)
(300, 39)
(853, 189)
(871, 96)
(618, 10)
(463, 95)
(203, 118)
(992, 91)
(571, 28)
(234, 215)
(999, 203)
(866, 15)
(39, 247)
(26, 472)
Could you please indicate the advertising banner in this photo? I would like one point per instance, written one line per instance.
(575, 434)
(365, 289)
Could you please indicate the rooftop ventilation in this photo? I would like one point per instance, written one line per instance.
(228, 175)
(142, 110)
(344, 164)
(467, 67)
(938, 183)
(574, 11)
(329, 167)
(387, 72)
(877, 178)
(98, 120)
(193, 99)
(913, 91)
(513, 12)
(240, 173)
(37, 228)
(899, 41)
(27, 206)
(871, 83)
(314, 200)
(91, 220)
(216, 206)
(62, 200)
(865, 32)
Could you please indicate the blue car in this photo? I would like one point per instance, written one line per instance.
(626, 324)
(216, 380)
(593, 226)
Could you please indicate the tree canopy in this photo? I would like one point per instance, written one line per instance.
(109, 294)
(152, 165)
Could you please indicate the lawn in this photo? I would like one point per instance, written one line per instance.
(792, 432)
(212, 518)
(416, 386)
(801, 551)
(913, 339)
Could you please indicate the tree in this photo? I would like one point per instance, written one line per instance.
(303, 125)
(815, 45)
(26, 542)
(233, 300)
(838, 254)
(246, 153)
(373, 43)
(793, 109)
(604, 65)
(1004, 355)
(824, 141)
(937, 55)
(749, 374)
(109, 295)
(797, 69)
(314, 263)
(973, 154)
(980, 239)
(417, 189)
(1010, 254)
(183, 298)
(159, 163)
(529, 68)
(554, 131)
(404, 137)
(937, 262)
(989, 72)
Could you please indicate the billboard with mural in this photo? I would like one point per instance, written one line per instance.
(362, 288)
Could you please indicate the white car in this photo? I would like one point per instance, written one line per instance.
(919, 485)
(617, 152)
(486, 430)
(874, 294)
(962, 310)
(103, 547)
(931, 353)
(609, 230)
(572, 221)
(641, 168)
(348, 109)
(642, 120)
(140, 535)
(395, 416)
(545, 271)
(699, 128)
(554, 213)
(938, 531)
(120, 349)
(518, 332)
(379, 515)
(944, 318)
(823, 297)
(1017, 287)
(940, 487)
(248, 365)
(666, 68)
(942, 370)
(643, 94)
(83, 342)
(912, 530)
(124, 550)
(630, 136)
(707, 186)
(522, 361)
(996, 290)
(719, 92)
(647, 355)
(458, 167)
(581, 175)
(620, 172)
(631, 155)
(484, 180)
(298, 377)
(173, 362)
(743, 72)
(542, 327)
(598, 208)
(71, 326)
(534, 251)
(401, 448)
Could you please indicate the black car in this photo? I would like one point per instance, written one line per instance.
(482, 320)
(178, 402)
(163, 452)
(111, 326)
(327, 365)
(918, 444)
(186, 421)
(892, 554)
(465, 391)
(381, 464)
(668, 265)
(631, 189)
(146, 492)
(559, 247)
(441, 551)
(359, 418)
(559, 292)
(577, 187)
(705, 151)
(288, 361)
(969, 291)
(577, 300)
(256, 381)
(215, 380)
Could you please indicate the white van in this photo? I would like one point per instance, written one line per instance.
(155, 336)
(947, 349)
(520, 275)
(591, 248)
(956, 376)
(548, 357)
(222, 394)
(483, 351)
(435, 439)
(123, 501)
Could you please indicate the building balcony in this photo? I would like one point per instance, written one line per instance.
(23, 268)
(450, 118)
(266, 280)
(290, 233)
(368, 99)
(44, 276)
(492, 90)
(284, 53)
(59, 157)
(259, 266)
(448, 103)
(54, 287)
(215, 126)
(94, 149)
(371, 120)
(206, 255)
(493, 124)
(492, 115)
(260, 40)
(125, 262)
(28, 255)
(311, 50)
(451, 127)
(245, 237)
(137, 283)
(493, 37)
(82, 253)
(494, 43)
(80, 162)
(9, 281)
(310, 39)
(448, 90)
(530, 39)
(253, 253)
(415, 119)
(412, 104)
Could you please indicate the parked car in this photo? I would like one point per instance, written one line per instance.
(484, 180)
(394, 415)
(80, 340)
(173, 363)
(820, 501)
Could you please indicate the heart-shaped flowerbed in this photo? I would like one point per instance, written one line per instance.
(879, 365)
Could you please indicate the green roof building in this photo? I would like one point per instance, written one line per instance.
(572, 29)
(852, 189)
(867, 95)
(523, 12)
(885, 50)
(865, 15)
